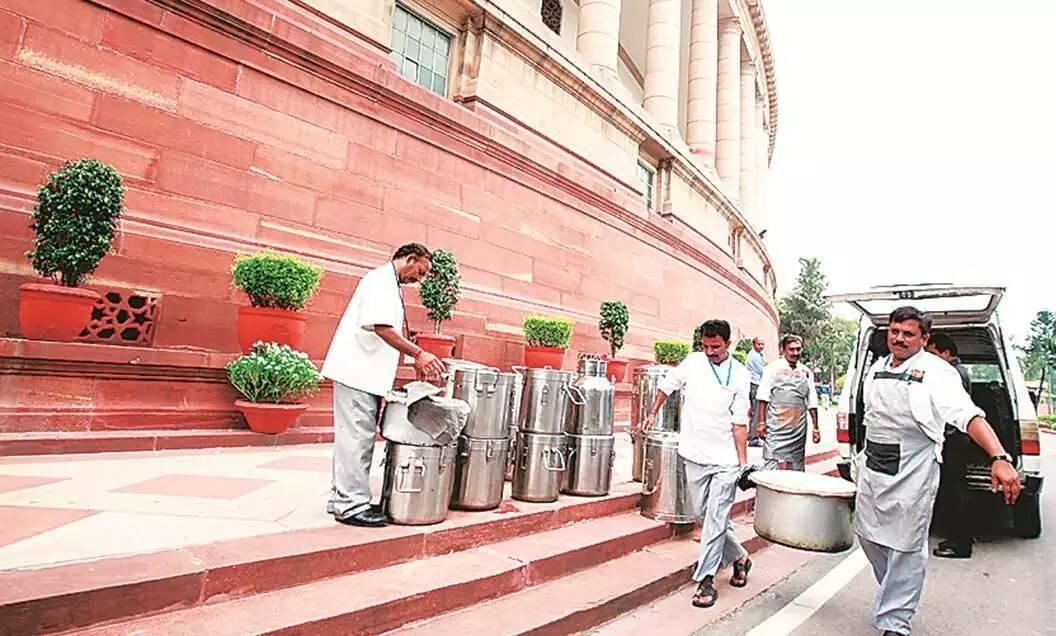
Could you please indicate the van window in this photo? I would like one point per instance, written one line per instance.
(985, 373)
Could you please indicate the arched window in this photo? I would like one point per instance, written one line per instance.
(551, 14)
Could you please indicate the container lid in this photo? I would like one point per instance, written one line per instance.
(550, 374)
(803, 483)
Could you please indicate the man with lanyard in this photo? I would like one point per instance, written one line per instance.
(955, 450)
(756, 365)
(713, 444)
(910, 395)
(362, 362)
(786, 394)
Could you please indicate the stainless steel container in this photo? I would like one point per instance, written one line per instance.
(593, 412)
(637, 454)
(804, 510)
(589, 471)
(418, 483)
(515, 410)
(488, 393)
(451, 365)
(540, 466)
(480, 468)
(645, 384)
(665, 493)
(544, 401)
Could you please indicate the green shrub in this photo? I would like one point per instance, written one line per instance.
(613, 324)
(1048, 419)
(75, 220)
(670, 351)
(698, 338)
(547, 331)
(442, 288)
(739, 356)
(274, 281)
(274, 374)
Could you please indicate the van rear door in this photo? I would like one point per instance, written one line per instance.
(947, 304)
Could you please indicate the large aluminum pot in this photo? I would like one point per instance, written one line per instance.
(540, 467)
(596, 414)
(488, 393)
(480, 469)
(544, 401)
(451, 365)
(665, 491)
(418, 483)
(645, 384)
(590, 459)
(803, 510)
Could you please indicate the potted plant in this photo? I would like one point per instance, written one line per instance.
(546, 338)
(75, 220)
(440, 292)
(274, 380)
(613, 326)
(670, 352)
(278, 286)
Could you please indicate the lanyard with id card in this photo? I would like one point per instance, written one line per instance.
(724, 386)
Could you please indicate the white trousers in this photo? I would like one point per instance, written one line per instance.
(901, 579)
(355, 423)
(714, 489)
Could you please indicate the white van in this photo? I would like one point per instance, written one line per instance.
(969, 316)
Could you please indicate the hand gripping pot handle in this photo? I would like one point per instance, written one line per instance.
(418, 476)
(575, 394)
(550, 452)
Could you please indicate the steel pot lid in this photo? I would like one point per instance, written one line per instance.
(802, 483)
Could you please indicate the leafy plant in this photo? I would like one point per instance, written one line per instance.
(547, 331)
(670, 351)
(275, 281)
(739, 356)
(274, 374)
(698, 338)
(613, 323)
(75, 220)
(442, 288)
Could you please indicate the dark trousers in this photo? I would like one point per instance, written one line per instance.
(954, 488)
(753, 432)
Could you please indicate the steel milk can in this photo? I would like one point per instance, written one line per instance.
(589, 429)
(645, 384)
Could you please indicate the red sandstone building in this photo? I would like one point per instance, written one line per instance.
(567, 153)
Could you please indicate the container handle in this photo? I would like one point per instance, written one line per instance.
(545, 392)
(647, 470)
(574, 394)
(489, 451)
(519, 369)
(550, 452)
(419, 474)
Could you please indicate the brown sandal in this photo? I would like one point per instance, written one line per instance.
(740, 573)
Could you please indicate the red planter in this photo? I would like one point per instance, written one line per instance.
(617, 368)
(283, 326)
(54, 312)
(541, 357)
(440, 346)
(270, 418)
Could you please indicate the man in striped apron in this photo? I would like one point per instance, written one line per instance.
(786, 394)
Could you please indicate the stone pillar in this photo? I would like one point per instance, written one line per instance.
(598, 39)
(762, 166)
(662, 60)
(703, 78)
(747, 185)
(728, 130)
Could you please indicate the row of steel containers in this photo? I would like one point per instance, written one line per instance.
(656, 463)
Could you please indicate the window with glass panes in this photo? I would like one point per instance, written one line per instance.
(647, 176)
(421, 51)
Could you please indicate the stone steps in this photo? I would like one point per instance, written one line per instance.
(60, 442)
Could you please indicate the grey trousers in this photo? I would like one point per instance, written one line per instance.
(714, 489)
(355, 422)
(901, 579)
(799, 463)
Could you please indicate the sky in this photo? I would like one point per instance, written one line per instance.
(914, 144)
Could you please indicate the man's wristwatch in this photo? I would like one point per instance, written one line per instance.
(998, 458)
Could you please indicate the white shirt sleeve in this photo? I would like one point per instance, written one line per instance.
(379, 302)
(812, 391)
(766, 384)
(675, 378)
(951, 403)
(741, 400)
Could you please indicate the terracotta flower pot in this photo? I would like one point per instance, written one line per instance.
(540, 357)
(54, 312)
(283, 326)
(270, 418)
(617, 368)
(440, 346)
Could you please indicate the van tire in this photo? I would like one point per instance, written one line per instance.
(1027, 517)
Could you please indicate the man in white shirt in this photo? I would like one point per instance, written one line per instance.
(362, 362)
(756, 364)
(910, 395)
(713, 445)
(786, 395)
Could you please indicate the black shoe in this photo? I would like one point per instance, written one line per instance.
(888, 632)
(951, 550)
(368, 519)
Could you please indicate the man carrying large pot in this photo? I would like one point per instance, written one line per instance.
(362, 362)
(713, 445)
(786, 395)
(910, 395)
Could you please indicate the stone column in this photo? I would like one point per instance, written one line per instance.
(662, 60)
(728, 135)
(762, 166)
(598, 39)
(703, 78)
(747, 185)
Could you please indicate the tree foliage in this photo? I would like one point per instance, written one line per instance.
(828, 340)
(441, 289)
(613, 323)
(1039, 352)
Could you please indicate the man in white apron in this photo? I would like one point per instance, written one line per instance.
(910, 395)
(786, 394)
(713, 445)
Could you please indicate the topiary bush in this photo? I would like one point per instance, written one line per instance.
(274, 374)
(274, 281)
(75, 220)
(613, 324)
(442, 288)
(670, 351)
(547, 331)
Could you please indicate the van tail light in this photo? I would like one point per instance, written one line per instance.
(1029, 441)
(843, 433)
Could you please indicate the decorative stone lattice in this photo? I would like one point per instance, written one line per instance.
(123, 317)
(551, 14)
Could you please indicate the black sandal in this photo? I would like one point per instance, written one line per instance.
(706, 594)
(740, 573)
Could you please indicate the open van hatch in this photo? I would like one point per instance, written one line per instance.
(947, 304)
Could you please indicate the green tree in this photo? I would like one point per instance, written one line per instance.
(827, 340)
(1040, 348)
